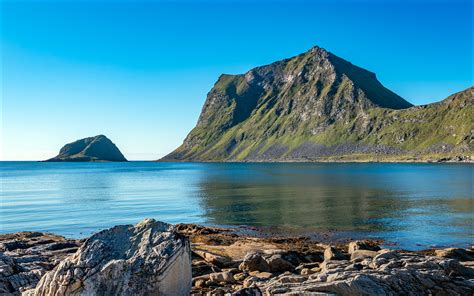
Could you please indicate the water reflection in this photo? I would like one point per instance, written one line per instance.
(311, 203)
(377, 200)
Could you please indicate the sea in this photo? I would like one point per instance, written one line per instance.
(409, 206)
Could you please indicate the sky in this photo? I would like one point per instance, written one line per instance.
(139, 71)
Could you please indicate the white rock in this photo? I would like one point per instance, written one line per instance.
(149, 258)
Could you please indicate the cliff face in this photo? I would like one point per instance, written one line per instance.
(315, 106)
(98, 148)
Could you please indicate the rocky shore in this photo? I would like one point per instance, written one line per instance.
(155, 258)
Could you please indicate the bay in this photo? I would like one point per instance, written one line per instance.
(414, 206)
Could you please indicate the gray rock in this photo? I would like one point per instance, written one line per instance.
(222, 277)
(218, 260)
(456, 253)
(254, 261)
(411, 274)
(150, 258)
(362, 254)
(362, 245)
(331, 253)
(454, 268)
(278, 264)
(26, 256)
(254, 291)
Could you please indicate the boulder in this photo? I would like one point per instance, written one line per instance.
(278, 264)
(456, 253)
(362, 245)
(150, 258)
(331, 253)
(362, 254)
(222, 277)
(215, 259)
(254, 261)
(454, 268)
(201, 267)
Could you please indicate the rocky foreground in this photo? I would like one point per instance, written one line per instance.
(155, 258)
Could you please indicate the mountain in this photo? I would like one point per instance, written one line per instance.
(317, 107)
(98, 148)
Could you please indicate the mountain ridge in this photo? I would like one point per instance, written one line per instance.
(294, 109)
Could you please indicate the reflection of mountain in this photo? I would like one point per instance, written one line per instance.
(307, 202)
(400, 203)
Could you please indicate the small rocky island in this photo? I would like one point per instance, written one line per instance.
(98, 148)
(155, 258)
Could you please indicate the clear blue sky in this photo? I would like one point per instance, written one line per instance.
(139, 72)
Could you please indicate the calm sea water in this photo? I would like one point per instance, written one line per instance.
(413, 205)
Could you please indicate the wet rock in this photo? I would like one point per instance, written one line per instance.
(254, 261)
(148, 258)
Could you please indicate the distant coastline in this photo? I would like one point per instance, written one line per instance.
(442, 160)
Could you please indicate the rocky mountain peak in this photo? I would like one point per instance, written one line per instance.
(314, 97)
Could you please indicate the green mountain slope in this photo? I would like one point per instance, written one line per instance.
(98, 148)
(317, 106)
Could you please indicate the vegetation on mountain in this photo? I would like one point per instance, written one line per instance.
(319, 107)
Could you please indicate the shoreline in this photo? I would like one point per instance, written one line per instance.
(323, 237)
(401, 161)
(225, 261)
(466, 160)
